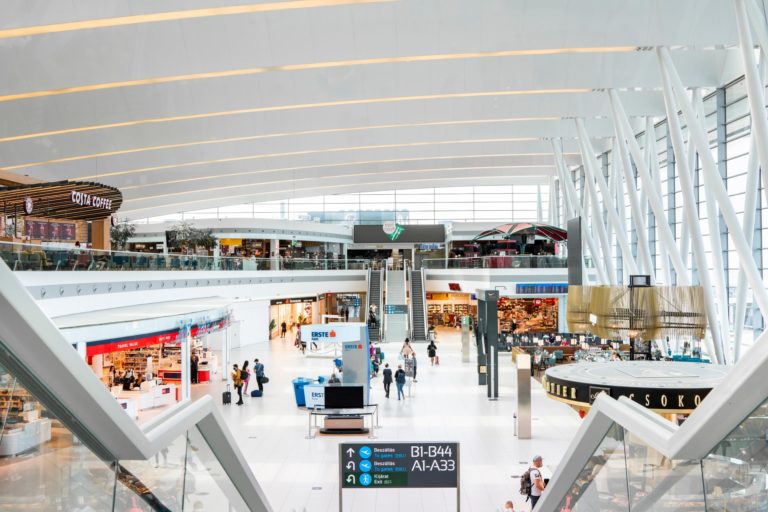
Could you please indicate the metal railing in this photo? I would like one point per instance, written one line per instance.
(54, 258)
(521, 261)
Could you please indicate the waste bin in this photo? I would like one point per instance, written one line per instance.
(298, 389)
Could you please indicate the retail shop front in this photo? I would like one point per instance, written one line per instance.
(57, 214)
(293, 311)
(150, 363)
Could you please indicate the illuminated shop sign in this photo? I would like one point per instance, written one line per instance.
(83, 199)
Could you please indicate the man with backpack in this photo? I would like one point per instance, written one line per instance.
(532, 483)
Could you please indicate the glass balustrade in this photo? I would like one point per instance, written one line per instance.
(625, 474)
(44, 467)
(521, 261)
(22, 257)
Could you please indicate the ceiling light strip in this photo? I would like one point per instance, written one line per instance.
(303, 153)
(277, 135)
(323, 166)
(336, 176)
(122, 21)
(311, 66)
(302, 106)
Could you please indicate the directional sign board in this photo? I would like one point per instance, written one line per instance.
(396, 465)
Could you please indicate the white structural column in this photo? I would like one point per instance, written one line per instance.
(597, 218)
(685, 243)
(658, 209)
(578, 209)
(569, 193)
(713, 221)
(698, 135)
(593, 171)
(618, 192)
(691, 216)
(755, 88)
(643, 250)
(750, 211)
(653, 160)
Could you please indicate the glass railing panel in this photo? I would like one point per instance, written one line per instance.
(602, 484)
(207, 486)
(520, 261)
(736, 472)
(658, 483)
(159, 480)
(43, 467)
(23, 257)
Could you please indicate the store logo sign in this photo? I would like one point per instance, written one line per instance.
(393, 230)
(353, 346)
(83, 199)
(332, 334)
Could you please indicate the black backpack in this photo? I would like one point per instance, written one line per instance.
(526, 484)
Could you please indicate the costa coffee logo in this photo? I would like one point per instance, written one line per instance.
(83, 199)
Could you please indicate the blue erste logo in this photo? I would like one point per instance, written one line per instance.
(365, 465)
(365, 452)
(353, 346)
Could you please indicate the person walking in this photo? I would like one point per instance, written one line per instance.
(413, 358)
(400, 381)
(432, 353)
(346, 313)
(245, 376)
(387, 373)
(238, 383)
(407, 350)
(283, 329)
(258, 369)
(537, 481)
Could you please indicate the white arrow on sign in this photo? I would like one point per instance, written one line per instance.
(351, 479)
(351, 465)
(350, 451)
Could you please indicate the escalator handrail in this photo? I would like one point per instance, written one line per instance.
(742, 391)
(37, 352)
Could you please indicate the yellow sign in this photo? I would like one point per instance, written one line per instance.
(231, 241)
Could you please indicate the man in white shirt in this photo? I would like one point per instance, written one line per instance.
(537, 481)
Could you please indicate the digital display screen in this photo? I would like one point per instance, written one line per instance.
(344, 397)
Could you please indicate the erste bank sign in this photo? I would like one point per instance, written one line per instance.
(335, 332)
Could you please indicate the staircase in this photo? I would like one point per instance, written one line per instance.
(374, 299)
(396, 322)
(418, 321)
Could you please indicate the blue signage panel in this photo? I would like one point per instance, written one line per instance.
(542, 289)
(396, 309)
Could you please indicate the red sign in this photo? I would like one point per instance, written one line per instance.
(454, 287)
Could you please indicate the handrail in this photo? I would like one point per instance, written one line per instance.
(424, 302)
(509, 261)
(20, 256)
(743, 390)
(36, 351)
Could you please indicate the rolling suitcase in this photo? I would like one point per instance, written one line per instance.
(226, 397)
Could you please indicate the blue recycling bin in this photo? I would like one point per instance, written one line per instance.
(298, 389)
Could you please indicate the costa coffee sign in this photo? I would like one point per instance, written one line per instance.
(83, 199)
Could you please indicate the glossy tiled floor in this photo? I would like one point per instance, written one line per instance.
(298, 474)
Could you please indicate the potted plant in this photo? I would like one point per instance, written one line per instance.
(121, 233)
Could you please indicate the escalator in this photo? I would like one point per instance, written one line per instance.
(418, 309)
(375, 300)
(66, 443)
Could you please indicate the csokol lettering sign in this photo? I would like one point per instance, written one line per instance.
(83, 199)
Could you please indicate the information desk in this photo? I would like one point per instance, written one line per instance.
(372, 411)
(20, 437)
(663, 386)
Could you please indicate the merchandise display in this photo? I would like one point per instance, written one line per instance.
(528, 315)
(23, 428)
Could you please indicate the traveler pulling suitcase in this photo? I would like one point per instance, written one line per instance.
(227, 396)
(256, 393)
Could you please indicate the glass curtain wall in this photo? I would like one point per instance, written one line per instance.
(502, 203)
(727, 122)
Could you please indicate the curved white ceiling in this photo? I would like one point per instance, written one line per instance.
(192, 104)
